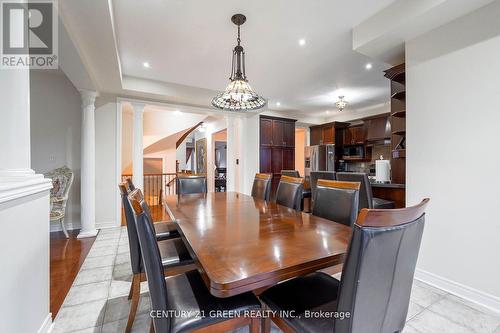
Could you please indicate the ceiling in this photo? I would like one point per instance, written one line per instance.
(189, 42)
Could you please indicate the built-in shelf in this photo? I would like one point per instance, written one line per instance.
(399, 153)
(400, 132)
(399, 114)
(399, 95)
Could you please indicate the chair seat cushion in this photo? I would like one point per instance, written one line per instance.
(383, 204)
(314, 292)
(188, 293)
(174, 253)
(56, 214)
(166, 230)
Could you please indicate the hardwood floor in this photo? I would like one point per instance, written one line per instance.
(66, 258)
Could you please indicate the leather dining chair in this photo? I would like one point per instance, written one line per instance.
(290, 173)
(289, 192)
(164, 230)
(175, 257)
(315, 175)
(261, 187)
(376, 279)
(366, 199)
(189, 184)
(337, 201)
(186, 292)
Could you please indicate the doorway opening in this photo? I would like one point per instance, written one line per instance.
(219, 140)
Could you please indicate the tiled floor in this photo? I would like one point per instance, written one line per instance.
(97, 301)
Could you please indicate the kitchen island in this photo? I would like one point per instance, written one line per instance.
(390, 191)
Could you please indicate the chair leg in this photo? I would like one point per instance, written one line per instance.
(254, 325)
(136, 293)
(64, 228)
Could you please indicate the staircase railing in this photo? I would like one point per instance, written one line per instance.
(156, 186)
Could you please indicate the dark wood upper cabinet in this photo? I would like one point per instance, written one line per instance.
(266, 132)
(354, 135)
(316, 135)
(289, 133)
(278, 128)
(378, 128)
(328, 134)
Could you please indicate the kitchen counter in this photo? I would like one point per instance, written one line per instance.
(387, 185)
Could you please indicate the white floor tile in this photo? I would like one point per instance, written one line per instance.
(98, 262)
(102, 251)
(430, 322)
(78, 317)
(93, 275)
(413, 310)
(425, 295)
(119, 308)
(141, 325)
(465, 316)
(87, 293)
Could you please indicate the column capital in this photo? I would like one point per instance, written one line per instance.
(88, 97)
(138, 107)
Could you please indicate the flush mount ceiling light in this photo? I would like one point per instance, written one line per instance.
(146, 65)
(341, 104)
(238, 95)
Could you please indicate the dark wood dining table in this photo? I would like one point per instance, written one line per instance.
(242, 244)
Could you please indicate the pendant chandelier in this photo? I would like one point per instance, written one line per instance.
(238, 95)
(341, 104)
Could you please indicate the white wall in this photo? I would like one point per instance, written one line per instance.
(56, 119)
(453, 119)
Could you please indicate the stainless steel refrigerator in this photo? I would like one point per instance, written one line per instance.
(319, 158)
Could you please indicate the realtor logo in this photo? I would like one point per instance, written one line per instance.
(29, 34)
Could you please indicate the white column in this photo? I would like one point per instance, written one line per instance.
(137, 149)
(87, 189)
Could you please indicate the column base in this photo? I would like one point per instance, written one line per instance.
(88, 233)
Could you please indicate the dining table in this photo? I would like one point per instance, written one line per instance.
(241, 243)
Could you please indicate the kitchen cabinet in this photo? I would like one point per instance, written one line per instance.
(289, 134)
(277, 147)
(266, 132)
(378, 128)
(354, 135)
(316, 135)
(278, 135)
(328, 134)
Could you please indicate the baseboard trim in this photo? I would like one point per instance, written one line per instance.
(46, 325)
(88, 233)
(476, 296)
(56, 226)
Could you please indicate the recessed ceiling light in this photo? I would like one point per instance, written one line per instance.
(278, 103)
(327, 111)
(368, 66)
(146, 64)
(302, 42)
(177, 112)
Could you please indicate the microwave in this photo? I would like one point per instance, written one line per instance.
(354, 151)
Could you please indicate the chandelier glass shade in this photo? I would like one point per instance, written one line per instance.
(341, 104)
(238, 95)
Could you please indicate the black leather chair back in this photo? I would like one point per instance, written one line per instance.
(290, 173)
(378, 272)
(336, 201)
(261, 187)
(289, 192)
(188, 184)
(152, 262)
(315, 175)
(133, 240)
(365, 191)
